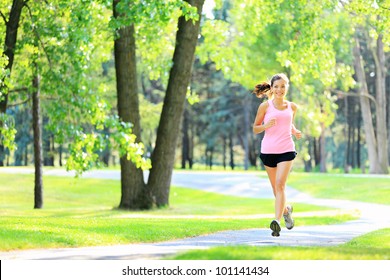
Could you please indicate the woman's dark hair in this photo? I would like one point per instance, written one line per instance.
(264, 88)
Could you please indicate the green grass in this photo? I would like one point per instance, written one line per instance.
(372, 246)
(361, 188)
(101, 196)
(52, 232)
(81, 212)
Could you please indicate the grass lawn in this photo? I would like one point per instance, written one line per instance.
(372, 246)
(338, 186)
(81, 212)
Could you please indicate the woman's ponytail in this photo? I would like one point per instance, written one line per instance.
(262, 89)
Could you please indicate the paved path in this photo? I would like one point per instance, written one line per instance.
(373, 217)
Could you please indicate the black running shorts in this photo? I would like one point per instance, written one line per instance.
(272, 160)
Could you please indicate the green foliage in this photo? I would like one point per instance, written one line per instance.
(127, 146)
(7, 123)
(155, 23)
(3, 74)
(70, 40)
(215, 43)
(156, 11)
(192, 97)
(84, 146)
(150, 118)
(7, 132)
(82, 156)
(373, 14)
(309, 40)
(84, 34)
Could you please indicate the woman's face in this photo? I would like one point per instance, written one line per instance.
(279, 88)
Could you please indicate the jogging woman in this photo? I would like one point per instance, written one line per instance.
(275, 118)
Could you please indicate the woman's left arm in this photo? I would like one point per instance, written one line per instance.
(297, 133)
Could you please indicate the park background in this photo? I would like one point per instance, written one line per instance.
(88, 84)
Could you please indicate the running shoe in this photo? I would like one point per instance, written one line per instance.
(275, 227)
(288, 220)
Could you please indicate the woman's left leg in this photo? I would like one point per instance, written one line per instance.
(282, 170)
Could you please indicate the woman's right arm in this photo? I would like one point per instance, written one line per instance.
(258, 126)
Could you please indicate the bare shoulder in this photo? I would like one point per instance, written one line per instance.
(264, 106)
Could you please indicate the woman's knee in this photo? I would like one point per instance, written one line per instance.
(280, 186)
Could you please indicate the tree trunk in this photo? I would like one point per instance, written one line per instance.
(353, 145)
(347, 130)
(232, 165)
(48, 152)
(168, 130)
(11, 34)
(211, 154)
(37, 128)
(308, 162)
(323, 168)
(26, 156)
(134, 194)
(358, 144)
(106, 154)
(185, 141)
(191, 146)
(60, 155)
(224, 144)
(316, 152)
(366, 110)
(247, 124)
(387, 89)
(209, 157)
(380, 86)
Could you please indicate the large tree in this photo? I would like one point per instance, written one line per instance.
(135, 194)
(11, 34)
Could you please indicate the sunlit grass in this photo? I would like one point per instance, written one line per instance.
(49, 232)
(357, 187)
(101, 196)
(82, 212)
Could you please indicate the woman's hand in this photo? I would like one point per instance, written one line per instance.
(270, 123)
(297, 133)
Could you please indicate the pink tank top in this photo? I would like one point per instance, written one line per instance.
(278, 139)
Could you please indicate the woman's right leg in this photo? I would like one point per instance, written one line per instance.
(278, 177)
(282, 171)
(280, 198)
(271, 172)
(275, 224)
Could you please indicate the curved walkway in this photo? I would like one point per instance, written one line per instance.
(372, 217)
